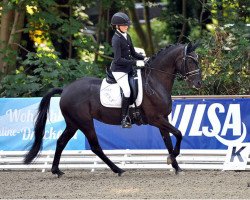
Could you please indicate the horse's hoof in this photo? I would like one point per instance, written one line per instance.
(58, 172)
(169, 160)
(121, 172)
(179, 172)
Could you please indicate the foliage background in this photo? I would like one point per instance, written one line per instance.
(50, 43)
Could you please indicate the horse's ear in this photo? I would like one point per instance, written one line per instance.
(191, 47)
(196, 44)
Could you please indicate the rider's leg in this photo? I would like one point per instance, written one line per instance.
(122, 80)
(126, 122)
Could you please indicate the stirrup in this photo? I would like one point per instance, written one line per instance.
(126, 122)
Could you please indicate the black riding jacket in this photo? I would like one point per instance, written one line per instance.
(125, 55)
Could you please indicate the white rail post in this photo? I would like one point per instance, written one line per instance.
(46, 163)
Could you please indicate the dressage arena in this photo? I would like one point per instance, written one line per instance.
(133, 184)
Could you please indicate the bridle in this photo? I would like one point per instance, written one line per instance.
(186, 74)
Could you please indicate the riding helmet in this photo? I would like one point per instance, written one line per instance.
(120, 19)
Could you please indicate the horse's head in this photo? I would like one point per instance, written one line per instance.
(187, 65)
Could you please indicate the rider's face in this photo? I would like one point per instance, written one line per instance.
(123, 28)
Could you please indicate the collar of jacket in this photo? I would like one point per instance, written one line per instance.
(125, 35)
(121, 36)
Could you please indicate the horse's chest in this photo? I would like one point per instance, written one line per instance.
(166, 109)
(163, 102)
(159, 107)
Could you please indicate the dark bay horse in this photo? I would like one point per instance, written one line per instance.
(80, 104)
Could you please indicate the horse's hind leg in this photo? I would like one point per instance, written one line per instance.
(88, 129)
(168, 142)
(67, 134)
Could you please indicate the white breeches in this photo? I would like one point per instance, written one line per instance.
(122, 80)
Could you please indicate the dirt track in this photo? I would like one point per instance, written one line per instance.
(152, 184)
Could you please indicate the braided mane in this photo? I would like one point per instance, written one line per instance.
(165, 50)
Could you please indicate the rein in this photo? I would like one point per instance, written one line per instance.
(162, 71)
(184, 73)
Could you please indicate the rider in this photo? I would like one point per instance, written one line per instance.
(125, 57)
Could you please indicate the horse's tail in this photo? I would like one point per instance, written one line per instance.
(40, 125)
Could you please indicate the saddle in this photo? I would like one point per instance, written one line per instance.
(111, 94)
(133, 83)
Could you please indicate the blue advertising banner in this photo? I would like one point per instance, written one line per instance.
(204, 123)
(212, 123)
(17, 116)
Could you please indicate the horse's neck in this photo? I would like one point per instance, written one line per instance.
(163, 75)
(159, 87)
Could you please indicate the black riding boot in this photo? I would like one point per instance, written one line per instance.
(126, 121)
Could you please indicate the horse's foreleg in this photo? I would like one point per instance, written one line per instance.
(168, 143)
(67, 134)
(163, 124)
(89, 131)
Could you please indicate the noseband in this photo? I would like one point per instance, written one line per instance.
(186, 74)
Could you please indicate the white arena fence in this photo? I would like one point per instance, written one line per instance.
(126, 159)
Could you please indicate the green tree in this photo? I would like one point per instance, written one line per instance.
(221, 27)
(225, 52)
(12, 22)
(58, 35)
(46, 43)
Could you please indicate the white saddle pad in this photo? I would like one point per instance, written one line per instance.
(110, 94)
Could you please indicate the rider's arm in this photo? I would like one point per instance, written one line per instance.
(136, 55)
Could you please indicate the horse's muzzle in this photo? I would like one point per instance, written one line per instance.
(197, 84)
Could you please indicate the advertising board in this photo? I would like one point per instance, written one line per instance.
(204, 123)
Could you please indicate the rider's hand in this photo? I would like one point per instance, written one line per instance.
(140, 63)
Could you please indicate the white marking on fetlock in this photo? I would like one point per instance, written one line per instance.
(169, 160)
